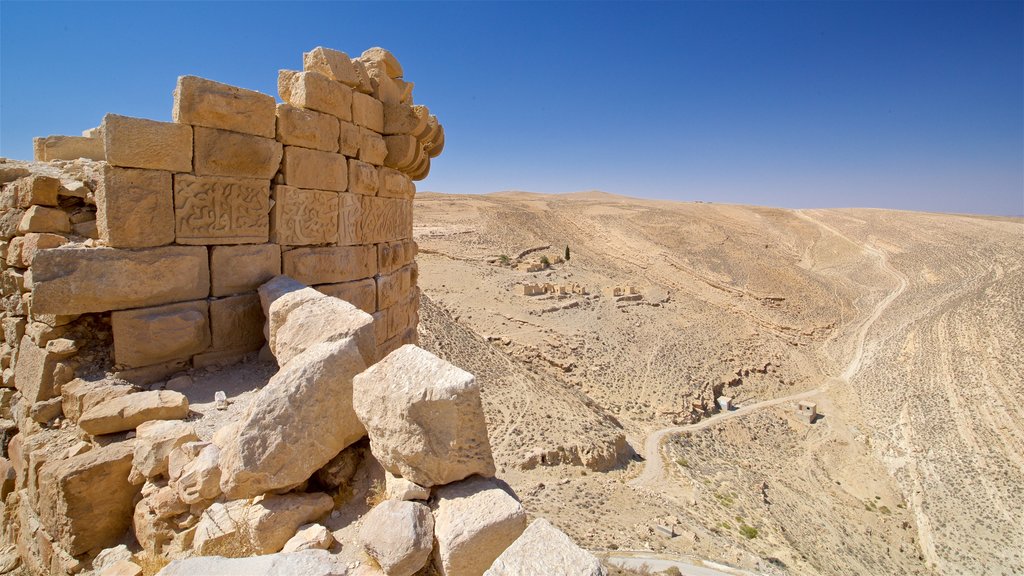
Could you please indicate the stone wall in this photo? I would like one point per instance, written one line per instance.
(168, 239)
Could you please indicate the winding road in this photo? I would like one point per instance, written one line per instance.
(654, 468)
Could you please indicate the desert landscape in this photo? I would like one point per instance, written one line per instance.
(903, 328)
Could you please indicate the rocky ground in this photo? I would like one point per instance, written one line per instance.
(902, 327)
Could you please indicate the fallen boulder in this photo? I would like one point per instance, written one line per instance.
(263, 526)
(398, 535)
(302, 318)
(127, 412)
(474, 521)
(154, 442)
(310, 537)
(544, 549)
(304, 563)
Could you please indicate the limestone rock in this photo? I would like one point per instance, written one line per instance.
(45, 411)
(34, 189)
(396, 488)
(80, 395)
(199, 479)
(474, 521)
(135, 208)
(154, 442)
(307, 128)
(147, 336)
(203, 102)
(315, 91)
(310, 537)
(122, 568)
(360, 293)
(424, 418)
(544, 549)
(331, 63)
(139, 143)
(314, 169)
(303, 318)
(391, 65)
(240, 269)
(304, 563)
(42, 219)
(296, 423)
(127, 412)
(239, 527)
(224, 153)
(340, 469)
(398, 535)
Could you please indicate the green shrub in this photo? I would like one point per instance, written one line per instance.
(748, 532)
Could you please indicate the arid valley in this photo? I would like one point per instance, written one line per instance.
(903, 328)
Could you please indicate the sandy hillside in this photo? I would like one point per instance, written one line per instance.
(904, 328)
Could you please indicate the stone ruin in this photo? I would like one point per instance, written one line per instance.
(540, 289)
(244, 227)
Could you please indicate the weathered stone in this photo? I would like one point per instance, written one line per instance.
(223, 153)
(307, 128)
(203, 102)
(396, 488)
(10, 218)
(80, 395)
(23, 249)
(238, 528)
(372, 147)
(424, 418)
(404, 152)
(402, 119)
(42, 219)
(395, 287)
(398, 535)
(330, 264)
(367, 112)
(127, 412)
(348, 138)
(139, 143)
(372, 219)
(237, 323)
(240, 269)
(122, 568)
(209, 210)
(135, 208)
(544, 549)
(33, 190)
(147, 375)
(313, 169)
(296, 423)
(181, 456)
(45, 411)
(8, 478)
(77, 280)
(33, 373)
(304, 563)
(365, 83)
(376, 54)
(360, 293)
(393, 255)
(340, 470)
(86, 501)
(384, 87)
(275, 289)
(199, 479)
(13, 328)
(331, 63)
(392, 321)
(302, 217)
(395, 184)
(474, 522)
(146, 336)
(68, 148)
(314, 91)
(111, 555)
(301, 319)
(310, 537)
(154, 442)
(362, 178)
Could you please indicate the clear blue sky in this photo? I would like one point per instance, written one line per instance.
(813, 104)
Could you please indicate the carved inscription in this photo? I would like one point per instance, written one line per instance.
(211, 210)
(371, 219)
(302, 217)
(393, 255)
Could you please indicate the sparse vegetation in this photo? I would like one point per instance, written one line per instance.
(544, 260)
(683, 462)
(567, 253)
(726, 500)
(504, 260)
(376, 494)
(748, 532)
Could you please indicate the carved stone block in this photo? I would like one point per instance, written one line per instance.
(394, 287)
(210, 210)
(393, 255)
(362, 178)
(395, 184)
(371, 219)
(302, 217)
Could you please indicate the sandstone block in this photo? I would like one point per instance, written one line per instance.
(86, 501)
(223, 153)
(360, 293)
(372, 147)
(376, 54)
(154, 442)
(277, 288)
(69, 148)
(348, 138)
(209, 210)
(398, 535)
(146, 336)
(135, 208)
(127, 412)
(395, 287)
(34, 372)
(544, 549)
(301, 319)
(474, 522)
(395, 184)
(365, 83)
(362, 178)
(367, 112)
(332, 64)
(139, 143)
(384, 87)
(22, 251)
(182, 455)
(330, 264)
(304, 563)
(45, 411)
(237, 323)
(307, 128)
(402, 119)
(396, 488)
(41, 219)
(239, 269)
(203, 102)
(314, 91)
(393, 255)
(122, 568)
(199, 479)
(309, 537)
(10, 218)
(78, 280)
(296, 423)
(33, 190)
(313, 169)
(80, 395)
(404, 152)
(394, 320)
(372, 219)
(301, 217)
(262, 527)
(424, 418)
